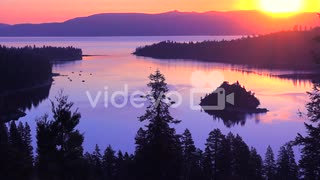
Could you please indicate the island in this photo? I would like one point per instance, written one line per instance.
(244, 103)
(287, 49)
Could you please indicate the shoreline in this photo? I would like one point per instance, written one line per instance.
(305, 67)
(47, 83)
(291, 50)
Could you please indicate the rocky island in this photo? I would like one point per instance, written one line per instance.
(244, 103)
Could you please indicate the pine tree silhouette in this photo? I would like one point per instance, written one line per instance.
(159, 153)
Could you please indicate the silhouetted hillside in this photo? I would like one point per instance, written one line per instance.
(30, 66)
(291, 49)
(170, 23)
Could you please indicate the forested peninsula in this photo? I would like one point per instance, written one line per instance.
(287, 49)
(31, 66)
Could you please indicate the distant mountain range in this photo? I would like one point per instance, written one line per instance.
(165, 24)
(3, 25)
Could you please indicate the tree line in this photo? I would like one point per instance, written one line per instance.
(288, 49)
(160, 152)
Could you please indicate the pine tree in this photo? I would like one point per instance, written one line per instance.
(26, 150)
(160, 155)
(109, 163)
(27, 138)
(141, 142)
(68, 139)
(89, 168)
(191, 157)
(16, 151)
(286, 165)
(15, 137)
(188, 146)
(46, 160)
(230, 159)
(60, 151)
(96, 160)
(241, 157)
(19, 151)
(120, 156)
(310, 154)
(283, 169)
(126, 157)
(294, 169)
(4, 151)
(313, 106)
(255, 165)
(121, 167)
(97, 157)
(128, 165)
(269, 165)
(215, 155)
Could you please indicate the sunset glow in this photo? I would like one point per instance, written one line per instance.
(160, 89)
(36, 11)
(281, 6)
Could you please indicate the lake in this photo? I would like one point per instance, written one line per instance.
(115, 69)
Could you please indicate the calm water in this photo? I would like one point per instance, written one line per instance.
(116, 67)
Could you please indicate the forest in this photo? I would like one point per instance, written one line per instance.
(160, 152)
(31, 66)
(287, 49)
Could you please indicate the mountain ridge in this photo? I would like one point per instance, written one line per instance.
(3, 25)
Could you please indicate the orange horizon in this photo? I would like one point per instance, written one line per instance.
(38, 11)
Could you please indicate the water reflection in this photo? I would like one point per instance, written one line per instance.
(231, 119)
(13, 105)
(118, 127)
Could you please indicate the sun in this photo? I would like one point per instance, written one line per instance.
(281, 6)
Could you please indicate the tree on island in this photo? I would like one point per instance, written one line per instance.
(243, 100)
(159, 152)
(245, 103)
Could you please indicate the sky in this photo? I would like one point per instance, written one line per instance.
(40, 11)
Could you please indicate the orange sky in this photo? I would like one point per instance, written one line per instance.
(37, 11)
